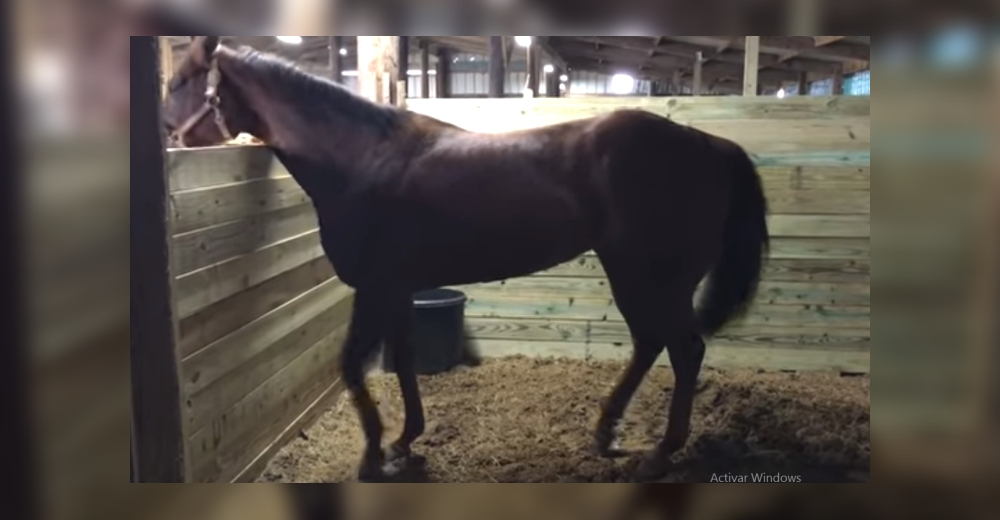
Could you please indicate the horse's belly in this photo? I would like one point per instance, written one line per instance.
(473, 261)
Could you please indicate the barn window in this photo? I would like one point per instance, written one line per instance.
(859, 84)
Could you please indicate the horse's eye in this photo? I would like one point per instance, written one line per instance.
(175, 83)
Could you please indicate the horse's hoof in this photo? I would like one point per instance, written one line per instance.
(371, 469)
(654, 467)
(606, 444)
(397, 452)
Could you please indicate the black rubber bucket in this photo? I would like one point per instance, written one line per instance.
(438, 332)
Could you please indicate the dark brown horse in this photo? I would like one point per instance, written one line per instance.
(408, 203)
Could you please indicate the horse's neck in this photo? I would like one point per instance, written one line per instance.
(326, 156)
(320, 181)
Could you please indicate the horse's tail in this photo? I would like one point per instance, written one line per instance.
(732, 284)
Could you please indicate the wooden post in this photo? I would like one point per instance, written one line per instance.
(699, 60)
(444, 73)
(22, 498)
(803, 83)
(377, 67)
(497, 69)
(402, 70)
(552, 83)
(156, 393)
(425, 70)
(750, 64)
(838, 81)
(166, 65)
(533, 68)
(336, 60)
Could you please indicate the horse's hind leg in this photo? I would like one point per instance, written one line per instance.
(402, 348)
(366, 333)
(631, 286)
(687, 352)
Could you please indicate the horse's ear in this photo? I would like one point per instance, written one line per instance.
(202, 49)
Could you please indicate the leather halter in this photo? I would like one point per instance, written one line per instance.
(211, 105)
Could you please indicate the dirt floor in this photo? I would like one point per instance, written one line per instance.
(531, 420)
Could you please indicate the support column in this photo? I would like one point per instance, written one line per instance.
(377, 67)
(336, 60)
(402, 70)
(444, 73)
(533, 69)
(751, 64)
(552, 83)
(838, 81)
(425, 70)
(497, 69)
(156, 391)
(699, 60)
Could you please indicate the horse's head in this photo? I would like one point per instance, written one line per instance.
(201, 108)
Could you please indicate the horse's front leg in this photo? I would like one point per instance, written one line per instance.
(402, 349)
(363, 339)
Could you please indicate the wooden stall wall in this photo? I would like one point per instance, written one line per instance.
(261, 313)
(813, 310)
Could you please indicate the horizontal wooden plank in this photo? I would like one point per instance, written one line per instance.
(226, 316)
(207, 246)
(501, 306)
(812, 248)
(752, 335)
(221, 450)
(816, 178)
(717, 356)
(303, 422)
(818, 226)
(684, 108)
(768, 137)
(774, 359)
(818, 202)
(199, 208)
(825, 158)
(563, 290)
(528, 330)
(587, 266)
(203, 406)
(817, 270)
(780, 269)
(197, 290)
(203, 167)
(229, 353)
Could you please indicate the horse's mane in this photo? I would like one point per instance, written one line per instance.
(321, 99)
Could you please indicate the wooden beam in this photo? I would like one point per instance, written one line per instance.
(377, 67)
(838, 82)
(497, 69)
(336, 60)
(156, 396)
(443, 73)
(533, 69)
(827, 40)
(166, 65)
(508, 51)
(554, 56)
(425, 69)
(752, 53)
(402, 70)
(552, 83)
(696, 81)
(19, 382)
